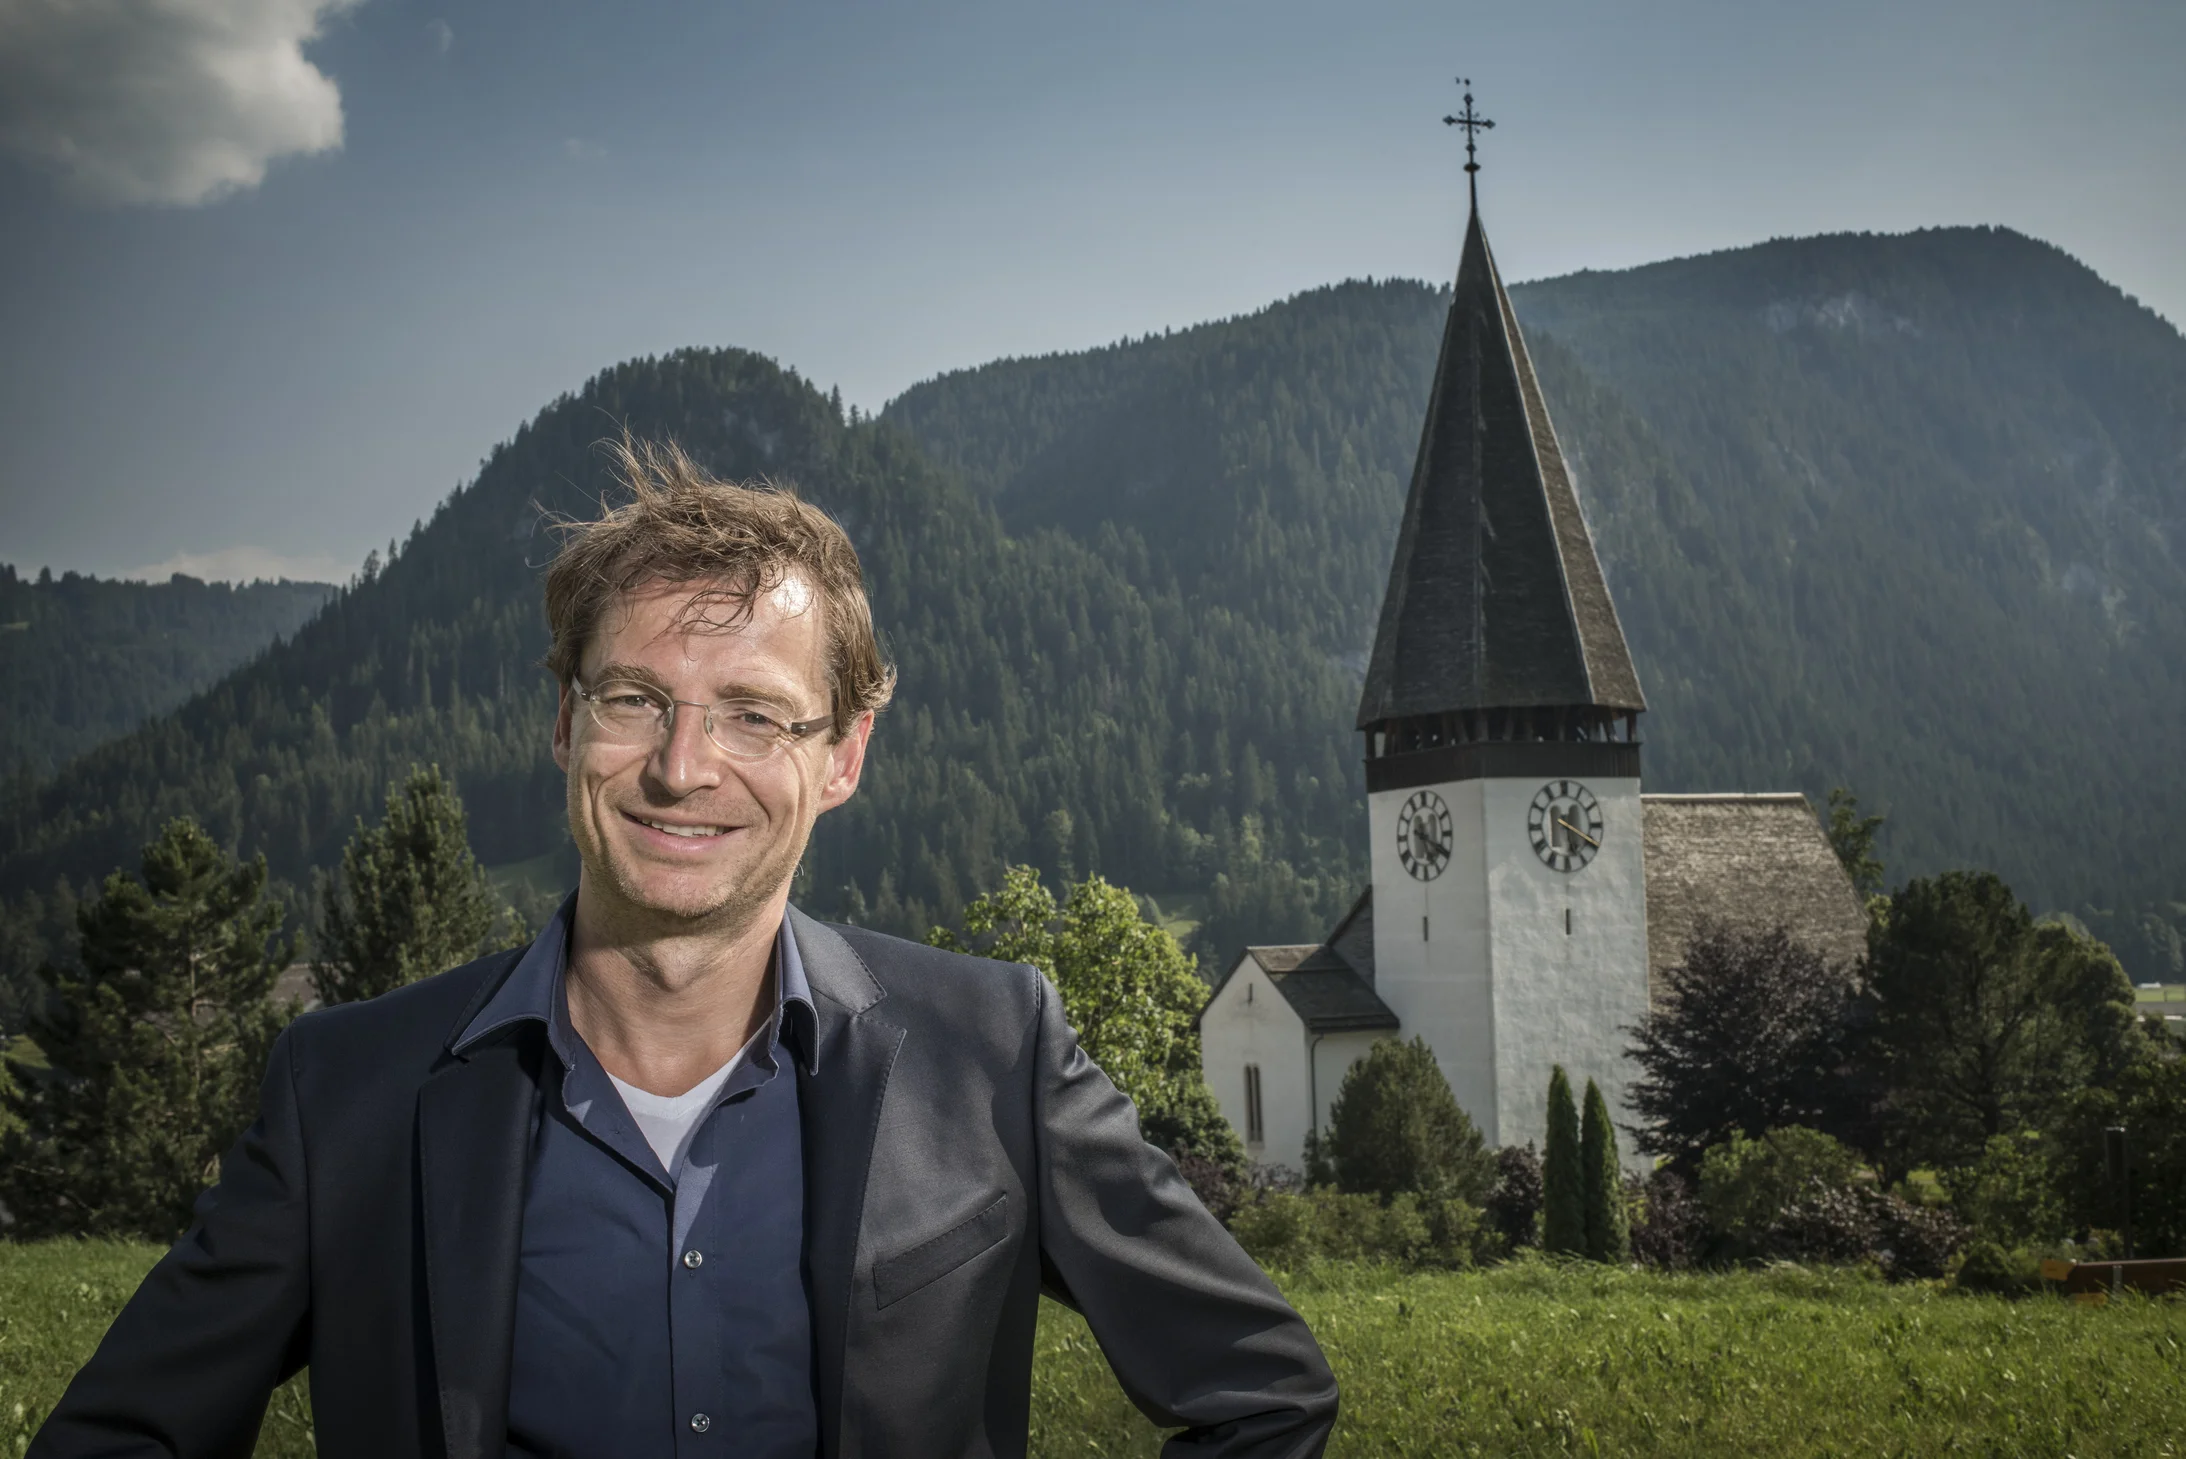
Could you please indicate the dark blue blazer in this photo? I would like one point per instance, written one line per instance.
(961, 1153)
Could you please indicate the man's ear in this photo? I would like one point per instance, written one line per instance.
(846, 762)
(562, 728)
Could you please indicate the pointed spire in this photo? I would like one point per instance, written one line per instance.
(1496, 599)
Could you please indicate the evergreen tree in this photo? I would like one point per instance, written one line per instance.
(1395, 1127)
(157, 1045)
(1563, 1173)
(411, 900)
(1608, 1226)
(1852, 837)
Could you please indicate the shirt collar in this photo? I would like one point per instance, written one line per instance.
(533, 992)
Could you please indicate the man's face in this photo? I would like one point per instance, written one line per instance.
(677, 830)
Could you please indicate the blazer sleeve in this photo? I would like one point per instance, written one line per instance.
(1196, 1333)
(187, 1368)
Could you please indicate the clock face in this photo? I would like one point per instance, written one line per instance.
(1423, 835)
(1565, 822)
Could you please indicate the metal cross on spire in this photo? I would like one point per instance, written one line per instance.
(1474, 124)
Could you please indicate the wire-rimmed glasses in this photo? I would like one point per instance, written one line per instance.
(630, 712)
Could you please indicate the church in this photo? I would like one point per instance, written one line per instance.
(1525, 895)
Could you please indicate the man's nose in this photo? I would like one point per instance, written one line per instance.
(687, 760)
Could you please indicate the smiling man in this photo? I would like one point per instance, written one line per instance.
(694, 1174)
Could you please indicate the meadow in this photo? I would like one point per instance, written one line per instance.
(1525, 1359)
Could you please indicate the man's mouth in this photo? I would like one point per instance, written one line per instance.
(674, 829)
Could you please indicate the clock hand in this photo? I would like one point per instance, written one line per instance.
(1574, 830)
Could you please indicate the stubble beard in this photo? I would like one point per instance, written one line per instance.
(735, 903)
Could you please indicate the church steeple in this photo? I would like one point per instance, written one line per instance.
(1497, 625)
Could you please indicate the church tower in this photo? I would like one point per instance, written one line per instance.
(1501, 718)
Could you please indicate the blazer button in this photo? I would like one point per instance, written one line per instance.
(694, 1258)
(700, 1423)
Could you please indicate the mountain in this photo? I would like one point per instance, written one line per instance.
(1904, 513)
(84, 659)
(1901, 513)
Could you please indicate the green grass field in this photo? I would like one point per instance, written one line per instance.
(1524, 1359)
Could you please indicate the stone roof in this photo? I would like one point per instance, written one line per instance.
(1496, 599)
(1750, 862)
(1329, 992)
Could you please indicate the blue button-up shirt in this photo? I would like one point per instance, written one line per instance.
(660, 1312)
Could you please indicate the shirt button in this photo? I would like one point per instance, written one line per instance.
(694, 1259)
(700, 1423)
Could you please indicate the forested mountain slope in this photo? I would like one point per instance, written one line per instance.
(1052, 709)
(1895, 512)
(83, 659)
(1899, 512)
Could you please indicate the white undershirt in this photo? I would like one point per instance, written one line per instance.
(668, 1121)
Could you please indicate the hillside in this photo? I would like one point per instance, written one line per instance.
(1050, 710)
(1896, 512)
(83, 659)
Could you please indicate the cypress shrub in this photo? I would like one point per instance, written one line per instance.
(1608, 1227)
(1563, 1174)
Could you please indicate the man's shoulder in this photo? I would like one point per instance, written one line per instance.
(915, 976)
(408, 1026)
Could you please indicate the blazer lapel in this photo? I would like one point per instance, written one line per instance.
(839, 1093)
(474, 1130)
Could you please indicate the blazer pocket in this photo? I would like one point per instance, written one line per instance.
(898, 1276)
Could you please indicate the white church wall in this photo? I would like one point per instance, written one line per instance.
(1333, 1055)
(1564, 996)
(1491, 978)
(1248, 1023)
(1431, 945)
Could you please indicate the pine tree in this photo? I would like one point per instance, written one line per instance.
(1608, 1227)
(157, 1046)
(1563, 1175)
(1395, 1127)
(411, 900)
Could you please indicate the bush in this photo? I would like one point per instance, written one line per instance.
(1608, 1223)
(1396, 1128)
(1845, 1225)
(1669, 1229)
(1746, 1184)
(1992, 1267)
(1290, 1230)
(1563, 1174)
(1514, 1203)
(2012, 1196)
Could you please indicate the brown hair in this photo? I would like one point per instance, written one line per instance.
(681, 525)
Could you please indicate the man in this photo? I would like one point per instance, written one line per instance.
(694, 1174)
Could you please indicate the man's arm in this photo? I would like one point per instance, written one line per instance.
(186, 1369)
(1195, 1331)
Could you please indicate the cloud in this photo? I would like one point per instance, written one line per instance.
(441, 34)
(577, 149)
(175, 102)
(241, 564)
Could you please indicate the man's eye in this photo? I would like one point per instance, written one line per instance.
(630, 701)
(752, 719)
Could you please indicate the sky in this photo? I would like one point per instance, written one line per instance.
(276, 275)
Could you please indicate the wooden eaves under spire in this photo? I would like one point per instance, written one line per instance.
(1497, 628)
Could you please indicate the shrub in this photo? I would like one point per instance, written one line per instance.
(1844, 1225)
(1670, 1230)
(2011, 1197)
(1608, 1225)
(1750, 1033)
(1563, 1174)
(1292, 1230)
(1990, 1266)
(1745, 1184)
(1514, 1203)
(1396, 1128)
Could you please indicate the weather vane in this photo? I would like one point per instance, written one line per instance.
(1474, 124)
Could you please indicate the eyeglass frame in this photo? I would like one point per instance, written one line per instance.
(794, 732)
